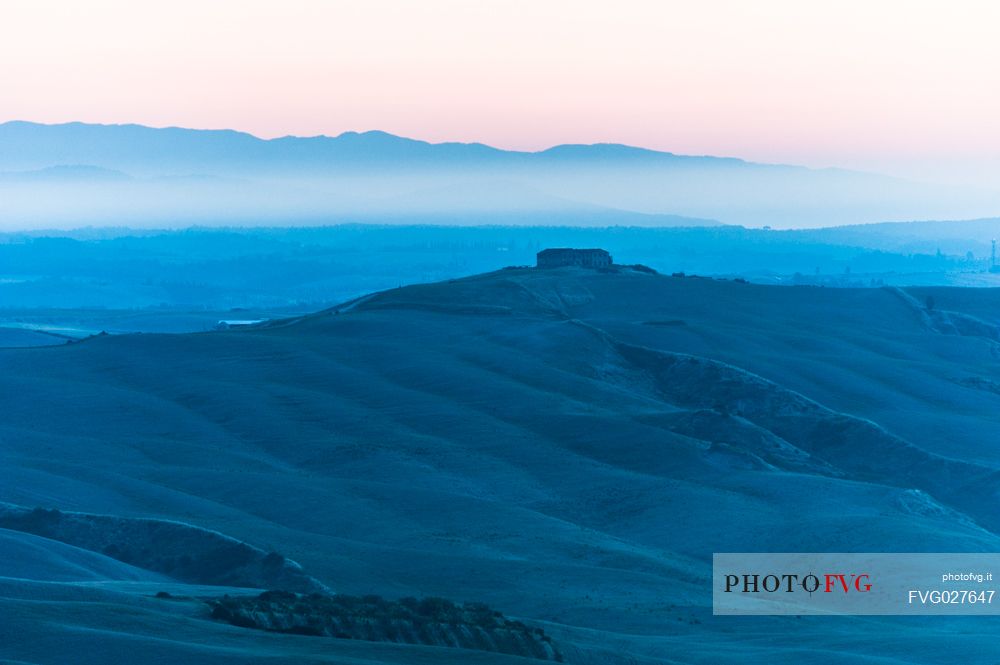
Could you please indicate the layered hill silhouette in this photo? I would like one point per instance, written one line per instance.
(567, 446)
(157, 151)
(76, 174)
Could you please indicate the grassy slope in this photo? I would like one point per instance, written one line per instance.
(486, 440)
(26, 556)
(21, 337)
(46, 623)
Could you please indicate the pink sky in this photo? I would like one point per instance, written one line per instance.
(908, 87)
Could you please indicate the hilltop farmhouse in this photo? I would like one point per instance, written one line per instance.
(564, 256)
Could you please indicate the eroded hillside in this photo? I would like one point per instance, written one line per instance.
(568, 446)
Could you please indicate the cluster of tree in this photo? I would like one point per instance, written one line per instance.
(430, 620)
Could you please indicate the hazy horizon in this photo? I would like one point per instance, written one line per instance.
(893, 87)
(79, 174)
(529, 150)
(942, 174)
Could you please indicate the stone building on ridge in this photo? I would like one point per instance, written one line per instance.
(558, 257)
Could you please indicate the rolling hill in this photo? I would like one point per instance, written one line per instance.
(568, 446)
(129, 280)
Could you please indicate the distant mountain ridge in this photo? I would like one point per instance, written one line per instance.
(211, 176)
(30, 146)
(63, 172)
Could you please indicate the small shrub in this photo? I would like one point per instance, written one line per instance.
(274, 560)
(305, 630)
